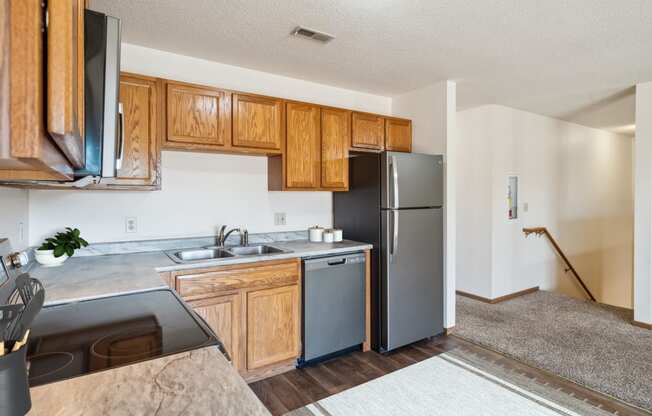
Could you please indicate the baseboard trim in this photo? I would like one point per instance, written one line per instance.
(501, 298)
(642, 325)
(448, 331)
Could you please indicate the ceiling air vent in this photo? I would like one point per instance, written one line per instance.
(312, 34)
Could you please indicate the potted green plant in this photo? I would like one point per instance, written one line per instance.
(57, 249)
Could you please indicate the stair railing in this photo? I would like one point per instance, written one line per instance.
(539, 231)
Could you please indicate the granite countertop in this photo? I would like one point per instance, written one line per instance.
(96, 276)
(199, 382)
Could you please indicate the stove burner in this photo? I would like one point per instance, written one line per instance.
(47, 363)
(132, 343)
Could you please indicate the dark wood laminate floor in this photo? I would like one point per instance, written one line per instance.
(297, 388)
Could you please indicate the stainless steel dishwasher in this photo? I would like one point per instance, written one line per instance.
(333, 305)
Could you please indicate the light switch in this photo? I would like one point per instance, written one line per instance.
(526, 206)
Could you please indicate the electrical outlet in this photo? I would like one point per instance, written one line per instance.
(21, 232)
(131, 225)
(526, 207)
(280, 218)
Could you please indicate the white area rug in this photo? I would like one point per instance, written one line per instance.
(441, 385)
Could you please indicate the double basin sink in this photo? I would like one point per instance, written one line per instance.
(214, 253)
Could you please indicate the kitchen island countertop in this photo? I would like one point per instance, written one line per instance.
(199, 382)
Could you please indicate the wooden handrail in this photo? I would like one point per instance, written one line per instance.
(539, 231)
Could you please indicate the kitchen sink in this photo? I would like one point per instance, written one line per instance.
(254, 250)
(199, 254)
(216, 253)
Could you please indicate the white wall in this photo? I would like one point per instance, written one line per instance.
(577, 182)
(474, 211)
(14, 216)
(433, 110)
(643, 205)
(199, 191)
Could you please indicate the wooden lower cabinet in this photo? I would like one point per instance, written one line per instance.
(272, 326)
(223, 315)
(255, 310)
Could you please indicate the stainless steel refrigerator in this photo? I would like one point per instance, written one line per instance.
(395, 202)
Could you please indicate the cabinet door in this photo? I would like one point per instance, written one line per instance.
(257, 122)
(26, 150)
(140, 99)
(368, 131)
(272, 326)
(398, 135)
(65, 77)
(335, 139)
(223, 314)
(302, 150)
(197, 117)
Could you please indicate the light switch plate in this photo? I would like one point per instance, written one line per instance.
(280, 218)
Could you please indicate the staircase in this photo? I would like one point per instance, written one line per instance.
(543, 231)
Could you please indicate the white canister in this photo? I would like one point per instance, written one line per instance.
(316, 234)
(337, 235)
(329, 237)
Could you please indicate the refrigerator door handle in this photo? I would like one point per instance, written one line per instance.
(394, 182)
(394, 248)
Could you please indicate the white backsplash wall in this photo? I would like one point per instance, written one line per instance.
(199, 192)
(14, 216)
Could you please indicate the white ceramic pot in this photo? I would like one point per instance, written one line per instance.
(328, 236)
(316, 234)
(47, 259)
(337, 235)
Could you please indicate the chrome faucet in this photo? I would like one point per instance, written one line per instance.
(222, 237)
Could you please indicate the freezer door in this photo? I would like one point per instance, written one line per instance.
(412, 276)
(411, 180)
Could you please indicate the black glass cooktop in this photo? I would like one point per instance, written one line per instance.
(84, 337)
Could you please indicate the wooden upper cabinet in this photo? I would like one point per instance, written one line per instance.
(258, 122)
(223, 315)
(273, 322)
(26, 150)
(368, 131)
(398, 135)
(335, 141)
(197, 117)
(302, 146)
(65, 77)
(140, 97)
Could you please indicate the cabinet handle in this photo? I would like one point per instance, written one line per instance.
(121, 136)
(394, 183)
(394, 248)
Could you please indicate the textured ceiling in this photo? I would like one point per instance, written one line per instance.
(572, 59)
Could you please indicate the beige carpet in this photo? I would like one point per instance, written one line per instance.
(590, 344)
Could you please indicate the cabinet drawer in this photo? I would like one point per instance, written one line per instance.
(207, 282)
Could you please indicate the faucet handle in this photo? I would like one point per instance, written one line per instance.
(244, 237)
